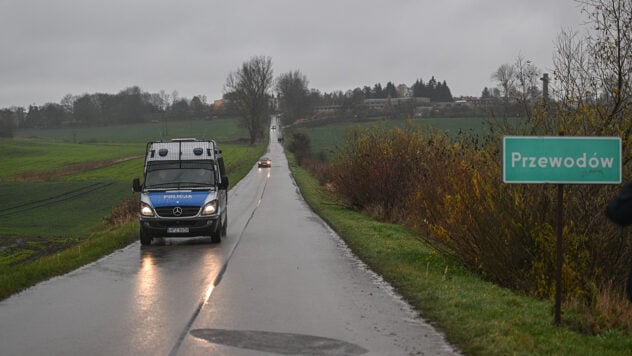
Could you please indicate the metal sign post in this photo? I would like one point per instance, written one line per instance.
(559, 255)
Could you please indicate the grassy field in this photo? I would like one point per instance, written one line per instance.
(324, 139)
(478, 316)
(221, 130)
(56, 196)
(58, 208)
(25, 160)
(59, 189)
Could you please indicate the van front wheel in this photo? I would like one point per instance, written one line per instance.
(216, 234)
(225, 225)
(145, 238)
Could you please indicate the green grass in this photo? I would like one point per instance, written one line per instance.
(58, 208)
(122, 171)
(221, 130)
(22, 157)
(478, 316)
(16, 277)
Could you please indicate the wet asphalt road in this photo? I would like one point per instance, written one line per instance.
(281, 282)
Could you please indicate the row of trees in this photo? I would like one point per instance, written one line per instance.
(434, 90)
(130, 105)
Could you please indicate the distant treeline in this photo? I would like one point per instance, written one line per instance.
(130, 105)
(133, 105)
(435, 90)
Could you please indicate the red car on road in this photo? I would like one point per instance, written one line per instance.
(264, 162)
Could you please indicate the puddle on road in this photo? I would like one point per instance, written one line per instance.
(280, 343)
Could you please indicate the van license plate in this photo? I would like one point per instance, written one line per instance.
(177, 230)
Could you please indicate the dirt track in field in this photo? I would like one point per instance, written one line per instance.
(47, 200)
(70, 169)
(32, 248)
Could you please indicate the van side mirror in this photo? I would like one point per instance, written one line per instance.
(136, 187)
(224, 183)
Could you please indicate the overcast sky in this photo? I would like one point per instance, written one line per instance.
(54, 48)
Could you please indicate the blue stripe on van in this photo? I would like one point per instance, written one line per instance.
(160, 199)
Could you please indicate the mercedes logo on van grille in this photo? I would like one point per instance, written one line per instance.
(177, 211)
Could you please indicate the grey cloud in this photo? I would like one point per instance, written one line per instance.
(51, 48)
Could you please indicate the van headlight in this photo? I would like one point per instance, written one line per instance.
(210, 208)
(146, 210)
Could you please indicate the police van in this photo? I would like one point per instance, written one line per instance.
(184, 190)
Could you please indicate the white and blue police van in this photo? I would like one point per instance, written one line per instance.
(184, 190)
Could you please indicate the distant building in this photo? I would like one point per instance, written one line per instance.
(403, 90)
(380, 104)
(327, 109)
(219, 103)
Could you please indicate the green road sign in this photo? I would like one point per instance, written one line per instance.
(561, 159)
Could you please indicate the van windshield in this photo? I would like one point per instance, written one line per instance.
(161, 175)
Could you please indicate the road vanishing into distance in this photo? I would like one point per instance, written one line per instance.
(280, 283)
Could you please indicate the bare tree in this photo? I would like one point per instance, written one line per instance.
(293, 95)
(594, 72)
(611, 49)
(506, 77)
(248, 92)
(174, 97)
(576, 85)
(67, 102)
(165, 100)
(527, 75)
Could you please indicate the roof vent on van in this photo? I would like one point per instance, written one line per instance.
(163, 152)
(198, 151)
